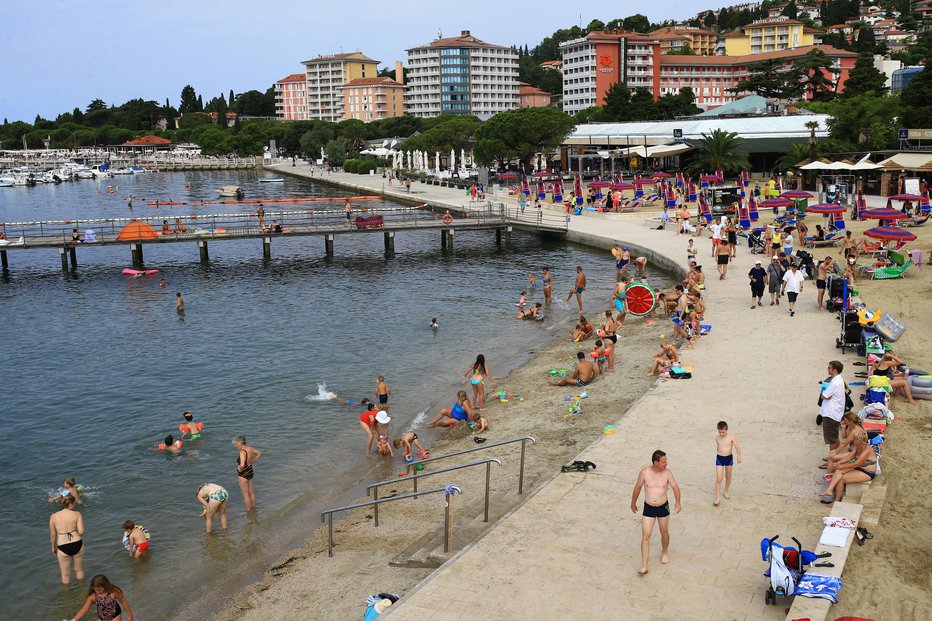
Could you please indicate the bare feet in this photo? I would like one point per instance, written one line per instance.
(717, 501)
(727, 497)
(664, 559)
(643, 571)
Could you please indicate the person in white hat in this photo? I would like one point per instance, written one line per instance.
(382, 445)
(758, 278)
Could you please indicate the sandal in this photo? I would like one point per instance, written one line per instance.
(823, 555)
(866, 533)
(478, 439)
(824, 564)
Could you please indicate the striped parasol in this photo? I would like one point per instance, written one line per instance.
(577, 188)
(826, 208)
(796, 194)
(894, 233)
(753, 215)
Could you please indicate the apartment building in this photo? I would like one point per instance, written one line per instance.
(710, 77)
(371, 99)
(769, 35)
(676, 38)
(461, 75)
(291, 98)
(603, 58)
(325, 74)
(532, 97)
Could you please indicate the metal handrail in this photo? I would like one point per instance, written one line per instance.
(523, 440)
(488, 477)
(327, 516)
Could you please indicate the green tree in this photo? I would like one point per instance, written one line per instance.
(770, 79)
(445, 133)
(595, 25)
(790, 10)
(917, 101)
(253, 103)
(862, 122)
(594, 114)
(189, 101)
(97, 104)
(791, 158)
(617, 103)
(864, 77)
(866, 40)
(683, 50)
(336, 152)
(719, 150)
(637, 23)
(231, 98)
(493, 152)
(194, 119)
(816, 74)
(524, 132)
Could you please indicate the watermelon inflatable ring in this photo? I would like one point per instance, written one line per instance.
(641, 298)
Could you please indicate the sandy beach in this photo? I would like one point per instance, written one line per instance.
(888, 578)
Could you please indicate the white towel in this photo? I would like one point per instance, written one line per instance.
(833, 536)
(840, 522)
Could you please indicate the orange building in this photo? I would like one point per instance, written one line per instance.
(677, 38)
(291, 98)
(371, 99)
(532, 97)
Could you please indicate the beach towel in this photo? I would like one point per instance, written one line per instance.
(834, 537)
(819, 586)
(839, 522)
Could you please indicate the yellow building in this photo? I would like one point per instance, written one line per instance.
(770, 35)
(325, 74)
(675, 38)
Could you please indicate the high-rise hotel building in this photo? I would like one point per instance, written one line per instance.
(324, 76)
(461, 75)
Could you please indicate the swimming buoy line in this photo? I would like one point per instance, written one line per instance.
(310, 199)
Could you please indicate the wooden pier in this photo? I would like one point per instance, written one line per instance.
(329, 223)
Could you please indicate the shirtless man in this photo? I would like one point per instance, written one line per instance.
(580, 287)
(624, 258)
(655, 479)
(849, 246)
(348, 208)
(582, 375)
(641, 264)
(824, 268)
(260, 214)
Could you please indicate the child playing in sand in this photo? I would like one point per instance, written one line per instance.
(480, 423)
(406, 440)
(725, 444)
(598, 353)
(383, 447)
(383, 392)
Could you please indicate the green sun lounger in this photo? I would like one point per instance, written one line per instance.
(882, 273)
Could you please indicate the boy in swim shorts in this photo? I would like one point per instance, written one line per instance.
(407, 439)
(136, 540)
(726, 444)
(383, 392)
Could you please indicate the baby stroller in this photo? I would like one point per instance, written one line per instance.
(837, 289)
(787, 566)
(850, 331)
(756, 242)
(805, 263)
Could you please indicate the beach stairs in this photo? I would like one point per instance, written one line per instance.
(428, 551)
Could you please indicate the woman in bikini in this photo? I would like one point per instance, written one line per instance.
(214, 498)
(609, 333)
(108, 598)
(862, 470)
(478, 373)
(899, 382)
(244, 473)
(548, 285)
(66, 528)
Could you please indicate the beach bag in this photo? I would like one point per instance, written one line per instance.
(875, 395)
(679, 373)
(878, 381)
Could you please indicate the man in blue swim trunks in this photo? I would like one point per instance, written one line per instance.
(579, 288)
(655, 479)
(622, 259)
(581, 376)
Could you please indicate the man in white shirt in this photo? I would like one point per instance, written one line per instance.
(832, 407)
(716, 229)
(792, 286)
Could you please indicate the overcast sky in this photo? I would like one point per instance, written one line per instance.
(58, 55)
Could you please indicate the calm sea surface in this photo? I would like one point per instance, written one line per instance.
(97, 368)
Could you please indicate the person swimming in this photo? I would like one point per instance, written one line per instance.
(433, 325)
(190, 427)
(170, 444)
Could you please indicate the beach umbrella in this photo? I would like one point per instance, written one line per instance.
(744, 216)
(453, 159)
(577, 189)
(796, 194)
(745, 178)
(826, 208)
(644, 181)
(753, 214)
(859, 205)
(622, 186)
(525, 187)
(680, 181)
(671, 196)
(838, 220)
(894, 233)
(558, 190)
(437, 162)
(463, 162)
(640, 298)
(541, 174)
(904, 197)
(661, 175)
(886, 213)
(776, 202)
(704, 209)
(924, 206)
(507, 175)
(540, 190)
(692, 192)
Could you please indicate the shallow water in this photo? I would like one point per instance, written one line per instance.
(98, 367)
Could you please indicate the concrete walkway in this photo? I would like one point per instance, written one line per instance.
(572, 551)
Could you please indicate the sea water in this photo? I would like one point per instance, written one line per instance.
(98, 367)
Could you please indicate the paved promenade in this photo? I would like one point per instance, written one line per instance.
(572, 551)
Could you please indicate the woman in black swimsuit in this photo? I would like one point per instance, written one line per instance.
(244, 472)
(887, 367)
(861, 470)
(66, 527)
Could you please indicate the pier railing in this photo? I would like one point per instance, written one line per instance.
(373, 488)
(482, 447)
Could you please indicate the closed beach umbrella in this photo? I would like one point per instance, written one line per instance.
(525, 187)
(924, 206)
(577, 188)
(704, 209)
(692, 192)
(744, 216)
(894, 233)
(558, 190)
(753, 214)
(453, 159)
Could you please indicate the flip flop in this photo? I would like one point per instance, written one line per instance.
(866, 533)
(828, 501)
(823, 555)
(859, 364)
(824, 564)
(478, 439)
(823, 467)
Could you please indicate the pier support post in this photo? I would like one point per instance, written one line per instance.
(202, 246)
(498, 237)
(266, 247)
(508, 236)
(446, 239)
(135, 250)
(328, 244)
(389, 241)
(73, 256)
(4, 262)
(64, 258)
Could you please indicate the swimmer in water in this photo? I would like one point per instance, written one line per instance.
(179, 303)
(530, 313)
(522, 301)
(190, 427)
(547, 281)
(170, 444)
(460, 412)
(433, 325)
(383, 392)
(163, 282)
(69, 488)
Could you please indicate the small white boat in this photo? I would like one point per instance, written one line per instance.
(232, 191)
(6, 184)
(121, 171)
(272, 180)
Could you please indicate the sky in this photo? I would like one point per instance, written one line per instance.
(66, 54)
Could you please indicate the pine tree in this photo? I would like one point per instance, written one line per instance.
(864, 77)
(200, 104)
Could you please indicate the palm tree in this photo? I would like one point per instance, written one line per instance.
(720, 150)
(812, 126)
(791, 158)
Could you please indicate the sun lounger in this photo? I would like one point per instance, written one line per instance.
(914, 222)
(883, 273)
(830, 240)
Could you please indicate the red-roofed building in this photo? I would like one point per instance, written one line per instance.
(371, 99)
(325, 73)
(677, 38)
(552, 65)
(532, 97)
(146, 144)
(291, 97)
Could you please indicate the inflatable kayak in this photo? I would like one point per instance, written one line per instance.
(129, 272)
(921, 386)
